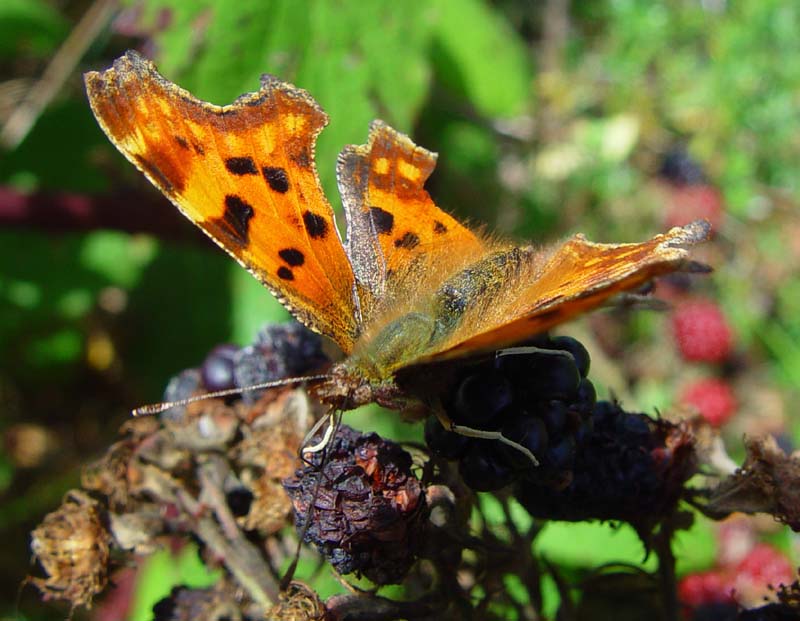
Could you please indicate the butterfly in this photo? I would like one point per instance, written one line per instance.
(411, 287)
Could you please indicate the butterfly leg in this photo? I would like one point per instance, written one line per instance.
(326, 437)
(483, 434)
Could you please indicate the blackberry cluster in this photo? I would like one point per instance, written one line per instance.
(541, 400)
(365, 505)
(278, 351)
(631, 467)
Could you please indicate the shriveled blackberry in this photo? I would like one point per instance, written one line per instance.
(280, 350)
(368, 506)
(217, 369)
(630, 467)
(540, 400)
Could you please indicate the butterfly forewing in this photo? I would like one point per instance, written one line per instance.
(245, 174)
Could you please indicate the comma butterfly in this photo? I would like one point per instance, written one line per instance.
(411, 287)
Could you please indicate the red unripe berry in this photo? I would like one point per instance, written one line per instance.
(702, 332)
(765, 566)
(710, 587)
(713, 398)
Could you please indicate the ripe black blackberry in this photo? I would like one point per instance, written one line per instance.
(679, 168)
(365, 505)
(538, 399)
(630, 467)
(217, 370)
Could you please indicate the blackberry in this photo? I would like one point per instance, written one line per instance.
(480, 397)
(483, 470)
(368, 506)
(217, 369)
(541, 375)
(442, 442)
(530, 432)
(679, 168)
(181, 386)
(281, 350)
(629, 468)
(541, 401)
(574, 347)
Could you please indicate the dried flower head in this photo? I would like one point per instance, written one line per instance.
(72, 547)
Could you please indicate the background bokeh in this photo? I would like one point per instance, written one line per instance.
(616, 118)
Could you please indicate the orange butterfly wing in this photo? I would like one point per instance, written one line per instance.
(245, 174)
(579, 276)
(393, 226)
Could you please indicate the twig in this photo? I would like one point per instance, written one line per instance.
(662, 545)
(240, 556)
(131, 211)
(60, 68)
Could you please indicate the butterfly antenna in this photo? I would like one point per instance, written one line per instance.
(334, 419)
(158, 408)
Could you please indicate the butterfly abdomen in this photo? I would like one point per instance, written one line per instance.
(475, 286)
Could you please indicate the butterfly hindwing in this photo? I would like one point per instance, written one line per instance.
(392, 223)
(245, 174)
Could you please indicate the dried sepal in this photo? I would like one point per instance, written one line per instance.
(767, 482)
(110, 475)
(72, 547)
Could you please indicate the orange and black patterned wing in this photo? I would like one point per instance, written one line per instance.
(578, 276)
(392, 223)
(245, 174)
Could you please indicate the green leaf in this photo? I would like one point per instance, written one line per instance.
(30, 27)
(164, 570)
(479, 56)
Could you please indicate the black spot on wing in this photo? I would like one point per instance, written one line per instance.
(182, 142)
(439, 228)
(382, 219)
(292, 256)
(315, 225)
(276, 178)
(408, 241)
(284, 273)
(241, 166)
(236, 220)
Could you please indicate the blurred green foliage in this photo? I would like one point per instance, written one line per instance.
(545, 126)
